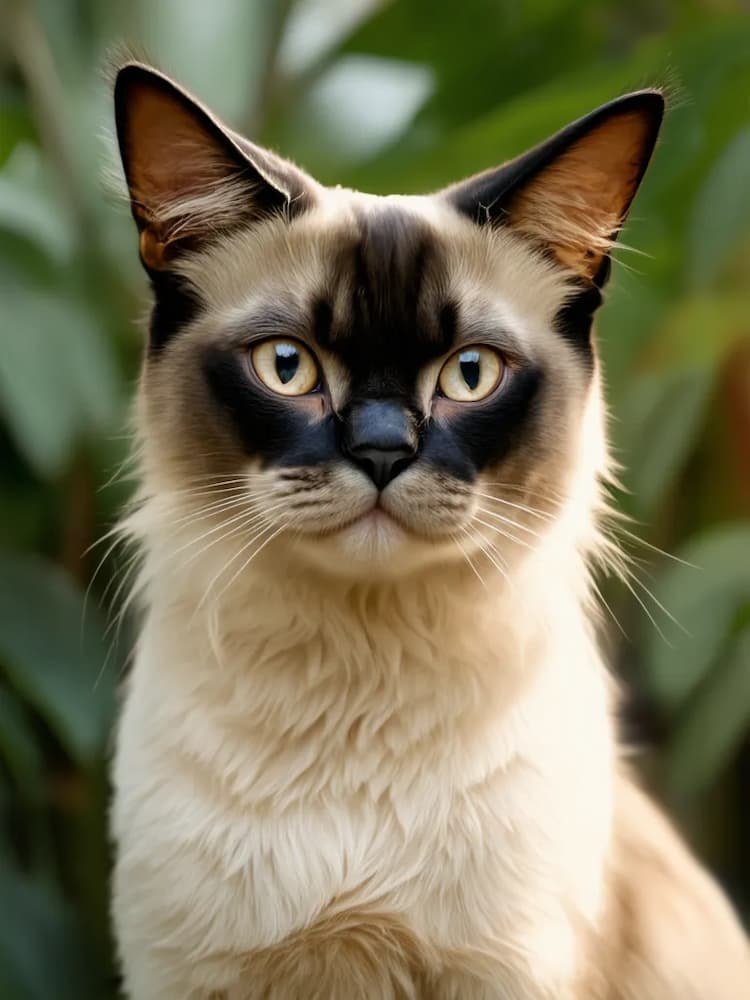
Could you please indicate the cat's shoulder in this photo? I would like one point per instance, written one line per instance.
(668, 932)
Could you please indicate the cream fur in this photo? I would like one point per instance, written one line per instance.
(356, 769)
(423, 767)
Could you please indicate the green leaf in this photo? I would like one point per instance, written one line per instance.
(713, 725)
(184, 31)
(58, 381)
(704, 597)
(29, 207)
(721, 214)
(657, 425)
(698, 331)
(19, 747)
(43, 950)
(55, 657)
(15, 122)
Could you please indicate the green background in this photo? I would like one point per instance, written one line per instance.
(386, 96)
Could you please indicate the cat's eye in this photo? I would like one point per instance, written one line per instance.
(471, 374)
(285, 366)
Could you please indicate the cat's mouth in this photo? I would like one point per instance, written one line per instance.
(374, 517)
(374, 520)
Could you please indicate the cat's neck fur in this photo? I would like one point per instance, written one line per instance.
(416, 666)
(388, 719)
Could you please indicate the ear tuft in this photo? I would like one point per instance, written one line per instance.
(190, 178)
(571, 194)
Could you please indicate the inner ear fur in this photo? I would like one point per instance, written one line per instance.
(189, 177)
(571, 194)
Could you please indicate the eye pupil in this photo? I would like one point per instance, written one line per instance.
(468, 362)
(287, 362)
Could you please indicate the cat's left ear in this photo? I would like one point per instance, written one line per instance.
(571, 195)
(190, 177)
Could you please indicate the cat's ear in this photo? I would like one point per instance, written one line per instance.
(189, 176)
(571, 194)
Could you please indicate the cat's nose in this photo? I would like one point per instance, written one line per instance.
(380, 436)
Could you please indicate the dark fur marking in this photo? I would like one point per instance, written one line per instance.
(273, 428)
(485, 197)
(395, 320)
(322, 321)
(475, 438)
(574, 322)
(176, 303)
(388, 325)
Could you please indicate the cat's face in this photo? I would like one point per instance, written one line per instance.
(371, 384)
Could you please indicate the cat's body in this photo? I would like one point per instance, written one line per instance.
(365, 752)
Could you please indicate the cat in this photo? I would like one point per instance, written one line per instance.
(367, 747)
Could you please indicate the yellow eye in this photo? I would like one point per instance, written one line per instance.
(285, 366)
(471, 374)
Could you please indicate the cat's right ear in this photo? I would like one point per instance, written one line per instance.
(190, 177)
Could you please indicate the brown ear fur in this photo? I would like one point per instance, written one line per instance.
(578, 203)
(570, 194)
(188, 177)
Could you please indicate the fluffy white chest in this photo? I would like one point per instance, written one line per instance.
(303, 776)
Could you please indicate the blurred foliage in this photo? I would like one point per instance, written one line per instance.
(405, 95)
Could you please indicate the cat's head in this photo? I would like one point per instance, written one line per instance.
(371, 383)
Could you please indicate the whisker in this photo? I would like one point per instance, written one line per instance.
(636, 580)
(606, 604)
(247, 562)
(218, 507)
(225, 523)
(553, 495)
(467, 557)
(545, 515)
(645, 608)
(119, 539)
(252, 556)
(218, 490)
(621, 529)
(266, 525)
(123, 571)
(504, 534)
(118, 474)
(509, 520)
(492, 555)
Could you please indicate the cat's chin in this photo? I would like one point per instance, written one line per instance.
(374, 532)
(374, 543)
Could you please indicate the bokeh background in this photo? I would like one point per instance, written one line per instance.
(405, 95)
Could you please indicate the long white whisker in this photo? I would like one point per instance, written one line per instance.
(226, 522)
(504, 534)
(266, 525)
(508, 520)
(651, 618)
(621, 529)
(246, 563)
(467, 557)
(240, 529)
(557, 497)
(606, 604)
(492, 555)
(215, 508)
(629, 574)
(535, 512)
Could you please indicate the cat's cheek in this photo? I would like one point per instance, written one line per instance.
(464, 439)
(280, 431)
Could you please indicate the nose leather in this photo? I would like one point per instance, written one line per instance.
(380, 437)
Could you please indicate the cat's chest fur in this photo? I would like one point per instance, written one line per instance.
(311, 766)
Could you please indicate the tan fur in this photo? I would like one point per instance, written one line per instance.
(666, 931)
(185, 170)
(379, 760)
(577, 205)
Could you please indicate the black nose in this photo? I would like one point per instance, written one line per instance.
(379, 435)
